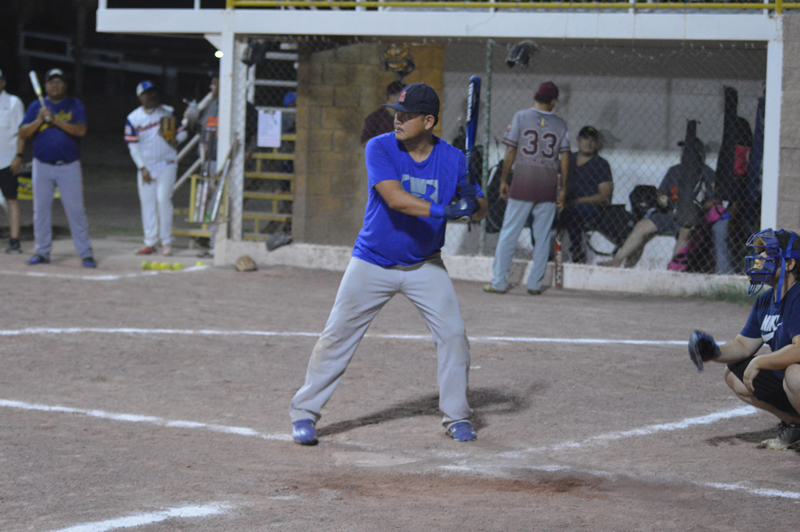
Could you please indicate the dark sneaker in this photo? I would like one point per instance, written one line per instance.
(89, 262)
(39, 259)
(304, 433)
(461, 431)
(13, 246)
(534, 292)
(788, 437)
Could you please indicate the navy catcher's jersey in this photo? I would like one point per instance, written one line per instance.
(539, 138)
(775, 324)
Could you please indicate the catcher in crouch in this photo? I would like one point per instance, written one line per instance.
(770, 381)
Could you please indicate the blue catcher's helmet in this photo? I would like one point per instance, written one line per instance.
(768, 258)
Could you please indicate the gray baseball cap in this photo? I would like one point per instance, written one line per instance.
(54, 73)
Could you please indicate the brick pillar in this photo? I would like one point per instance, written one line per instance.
(336, 91)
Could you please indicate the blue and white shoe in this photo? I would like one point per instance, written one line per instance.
(304, 433)
(38, 259)
(461, 431)
(89, 262)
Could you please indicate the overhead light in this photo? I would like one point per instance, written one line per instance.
(218, 54)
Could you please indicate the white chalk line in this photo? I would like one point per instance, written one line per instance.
(152, 420)
(493, 470)
(210, 332)
(244, 431)
(131, 521)
(646, 431)
(109, 277)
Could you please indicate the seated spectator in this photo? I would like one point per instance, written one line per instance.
(590, 186)
(382, 120)
(683, 198)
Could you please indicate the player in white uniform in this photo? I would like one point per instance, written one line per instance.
(153, 150)
(11, 114)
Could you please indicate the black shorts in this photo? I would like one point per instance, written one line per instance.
(768, 387)
(8, 184)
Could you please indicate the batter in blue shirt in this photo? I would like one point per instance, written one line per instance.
(414, 177)
(769, 381)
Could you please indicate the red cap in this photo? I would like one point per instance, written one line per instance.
(548, 91)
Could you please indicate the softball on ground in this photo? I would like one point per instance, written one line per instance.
(199, 264)
(165, 266)
(146, 265)
(177, 266)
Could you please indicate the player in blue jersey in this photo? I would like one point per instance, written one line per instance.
(56, 129)
(769, 381)
(413, 178)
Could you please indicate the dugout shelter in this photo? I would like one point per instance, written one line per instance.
(637, 71)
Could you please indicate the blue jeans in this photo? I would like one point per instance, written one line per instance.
(516, 214)
(574, 219)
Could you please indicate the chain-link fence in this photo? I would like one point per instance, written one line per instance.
(680, 126)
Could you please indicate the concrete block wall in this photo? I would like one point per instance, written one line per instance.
(337, 89)
(789, 178)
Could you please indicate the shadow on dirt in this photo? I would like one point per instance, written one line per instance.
(483, 401)
(744, 437)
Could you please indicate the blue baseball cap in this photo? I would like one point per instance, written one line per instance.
(289, 98)
(145, 86)
(417, 98)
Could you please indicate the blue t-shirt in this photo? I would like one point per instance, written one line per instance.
(584, 180)
(52, 144)
(776, 324)
(389, 237)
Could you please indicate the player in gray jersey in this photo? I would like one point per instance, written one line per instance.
(537, 148)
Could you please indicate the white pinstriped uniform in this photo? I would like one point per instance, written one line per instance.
(142, 129)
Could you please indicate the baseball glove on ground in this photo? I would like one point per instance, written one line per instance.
(245, 264)
(702, 348)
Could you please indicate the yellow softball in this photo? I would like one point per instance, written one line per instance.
(146, 265)
(199, 264)
(177, 266)
(166, 266)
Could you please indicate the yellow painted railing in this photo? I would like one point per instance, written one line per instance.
(777, 6)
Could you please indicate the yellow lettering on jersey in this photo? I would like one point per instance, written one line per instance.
(542, 123)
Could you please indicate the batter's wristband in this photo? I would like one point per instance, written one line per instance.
(437, 211)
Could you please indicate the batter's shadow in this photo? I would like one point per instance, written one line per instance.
(484, 401)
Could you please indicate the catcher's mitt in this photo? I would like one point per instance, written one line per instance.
(702, 348)
(245, 264)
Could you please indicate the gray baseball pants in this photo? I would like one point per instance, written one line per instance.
(67, 177)
(364, 290)
(514, 220)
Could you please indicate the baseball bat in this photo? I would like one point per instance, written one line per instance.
(473, 102)
(36, 87)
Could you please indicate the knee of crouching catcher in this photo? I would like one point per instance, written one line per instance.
(791, 381)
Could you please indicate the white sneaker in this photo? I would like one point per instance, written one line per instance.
(788, 437)
(166, 250)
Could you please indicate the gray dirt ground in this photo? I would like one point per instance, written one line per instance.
(558, 446)
(571, 436)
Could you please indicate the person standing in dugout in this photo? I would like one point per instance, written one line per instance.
(413, 176)
(11, 112)
(151, 134)
(537, 147)
(770, 381)
(57, 129)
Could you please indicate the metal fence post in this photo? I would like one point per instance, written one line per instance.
(487, 136)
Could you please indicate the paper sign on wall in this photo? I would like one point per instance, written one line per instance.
(269, 129)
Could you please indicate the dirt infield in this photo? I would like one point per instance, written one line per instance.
(160, 400)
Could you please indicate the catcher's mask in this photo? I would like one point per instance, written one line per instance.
(768, 257)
